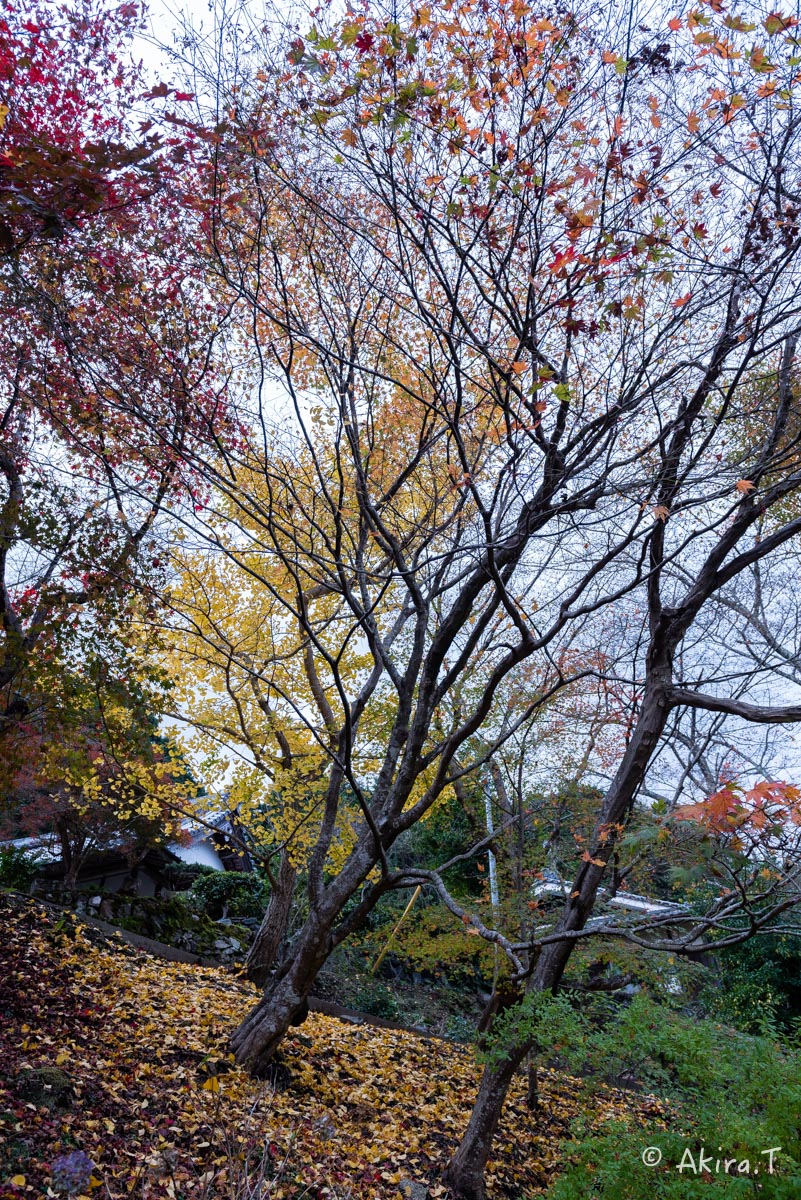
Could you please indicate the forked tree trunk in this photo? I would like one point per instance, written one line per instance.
(273, 929)
(285, 1000)
(72, 854)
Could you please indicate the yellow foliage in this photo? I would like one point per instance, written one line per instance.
(159, 1103)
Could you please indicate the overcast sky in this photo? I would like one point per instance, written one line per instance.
(164, 18)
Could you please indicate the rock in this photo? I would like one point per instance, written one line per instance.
(411, 1190)
(46, 1087)
(325, 1127)
(162, 1163)
(227, 948)
(96, 901)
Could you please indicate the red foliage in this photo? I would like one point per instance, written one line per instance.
(65, 87)
(765, 807)
(106, 331)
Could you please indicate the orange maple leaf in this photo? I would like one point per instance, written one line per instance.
(596, 862)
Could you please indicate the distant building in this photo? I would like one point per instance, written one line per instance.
(108, 869)
(552, 886)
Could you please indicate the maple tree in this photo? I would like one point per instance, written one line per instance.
(64, 159)
(88, 766)
(102, 322)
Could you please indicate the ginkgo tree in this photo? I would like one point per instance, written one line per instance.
(222, 625)
(507, 287)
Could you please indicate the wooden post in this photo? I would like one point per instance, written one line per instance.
(405, 913)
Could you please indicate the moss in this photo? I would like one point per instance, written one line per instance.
(165, 918)
(46, 1087)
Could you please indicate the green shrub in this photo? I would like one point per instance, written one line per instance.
(731, 1095)
(372, 996)
(461, 1028)
(230, 893)
(762, 975)
(17, 868)
(609, 1166)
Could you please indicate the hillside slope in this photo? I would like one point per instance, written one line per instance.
(151, 1096)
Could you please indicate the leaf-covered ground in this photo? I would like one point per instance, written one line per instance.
(161, 1110)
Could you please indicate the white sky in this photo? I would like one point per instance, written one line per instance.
(164, 18)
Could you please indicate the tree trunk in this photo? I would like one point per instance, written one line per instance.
(273, 928)
(72, 854)
(465, 1171)
(533, 1090)
(285, 1001)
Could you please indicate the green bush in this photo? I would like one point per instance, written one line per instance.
(444, 833)
(461, 1028)
(372, 996)
(610, 1166)
(17, 868)
(761, 976)
(730, 1095)
(230, 893)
